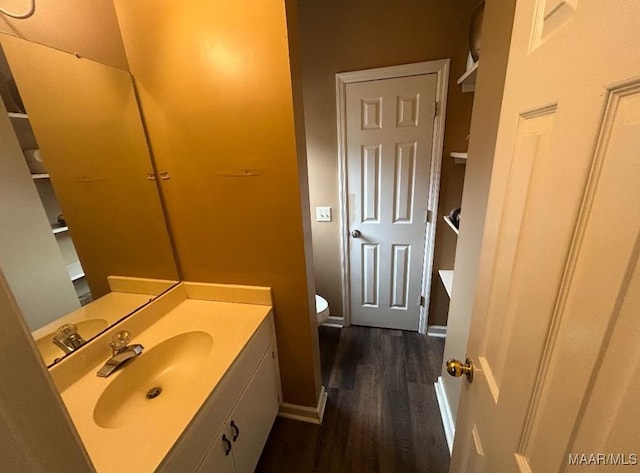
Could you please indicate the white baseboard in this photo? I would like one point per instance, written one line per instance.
(445, 413)
(334, 321)
(313, 415)
(439, 331)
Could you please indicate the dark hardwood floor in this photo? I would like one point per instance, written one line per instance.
(382, 414)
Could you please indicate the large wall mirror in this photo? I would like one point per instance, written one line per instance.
(83, 238)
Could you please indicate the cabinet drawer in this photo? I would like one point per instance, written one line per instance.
(187, 453)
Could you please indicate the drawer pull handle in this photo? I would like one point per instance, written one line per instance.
(227, 445)
(236, 431)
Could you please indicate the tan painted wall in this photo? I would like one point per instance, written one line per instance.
(349, 35)
(215, 85)
(496, 37)
(89, 28)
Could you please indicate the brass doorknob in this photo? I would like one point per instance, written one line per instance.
(456, 368)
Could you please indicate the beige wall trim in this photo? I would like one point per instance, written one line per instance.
(312, 415)
(445, 413)
(441, 68)
(439, 331)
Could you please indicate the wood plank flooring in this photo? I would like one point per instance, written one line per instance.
(382, 414)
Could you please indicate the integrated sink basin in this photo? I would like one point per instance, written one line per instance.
(194, 337)
(152, 383)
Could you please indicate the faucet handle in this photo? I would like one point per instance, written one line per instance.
(65, 331)
(67, 338)
(120, 341)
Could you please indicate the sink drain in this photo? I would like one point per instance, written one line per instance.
(153, 393)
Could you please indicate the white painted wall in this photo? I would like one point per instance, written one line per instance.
(29, 255)
(36, 433)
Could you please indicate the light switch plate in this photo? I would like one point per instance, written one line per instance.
(323, 214)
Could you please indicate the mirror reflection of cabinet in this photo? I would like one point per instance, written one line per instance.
(85, 118)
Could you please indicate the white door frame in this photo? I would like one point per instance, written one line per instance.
(441, 68)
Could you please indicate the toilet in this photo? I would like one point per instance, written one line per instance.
(322, 309)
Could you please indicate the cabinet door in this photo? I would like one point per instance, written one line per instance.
(250, 421)
(219, 458)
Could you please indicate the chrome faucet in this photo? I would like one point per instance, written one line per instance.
(122, 352)
(67, 338)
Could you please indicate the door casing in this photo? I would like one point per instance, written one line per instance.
(441, 69)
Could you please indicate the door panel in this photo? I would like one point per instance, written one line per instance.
(404, 182)
(389, 145)
(526, 177)
(556, 368)
(253, 415)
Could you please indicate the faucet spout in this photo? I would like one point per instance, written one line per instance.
(122, 352)
(119, 359)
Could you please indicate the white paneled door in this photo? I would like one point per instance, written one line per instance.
(389, 142)
(556, 322)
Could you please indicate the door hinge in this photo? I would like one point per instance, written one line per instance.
(422, 301)
(273, 355)
(429, 216)
(435, 109)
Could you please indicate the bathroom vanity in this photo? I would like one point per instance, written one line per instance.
(202, 396)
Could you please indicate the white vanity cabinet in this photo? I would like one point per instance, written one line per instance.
(230, 430)
(247, 427)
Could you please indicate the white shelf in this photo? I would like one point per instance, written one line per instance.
(459, 158)
(59, 229)
(450, 223)
(75, 271)
(468, 79)
(23, 116)
(40, 176)
(446, 275)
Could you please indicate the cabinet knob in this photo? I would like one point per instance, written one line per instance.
(236, 431)
(227, 444)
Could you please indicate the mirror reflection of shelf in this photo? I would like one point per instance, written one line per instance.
(59, 229)
(446, 276)
(75, 271)
(451, 225)
(26, 138)
(468, 80)
(22, 116)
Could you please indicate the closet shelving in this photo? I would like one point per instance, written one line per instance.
(467, 82)
(446, 276)
(459, 158)
(451, 225)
